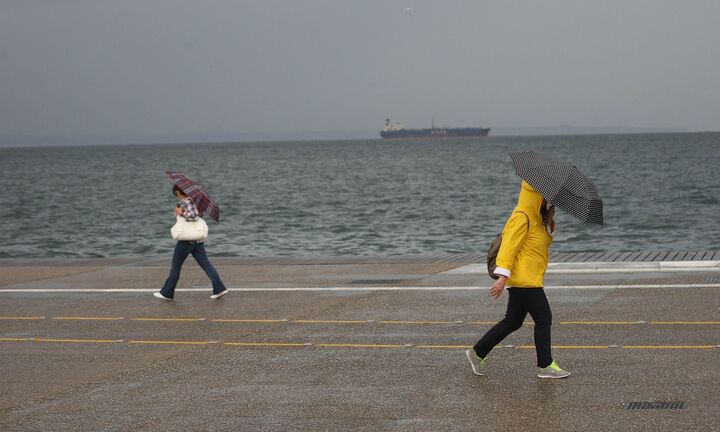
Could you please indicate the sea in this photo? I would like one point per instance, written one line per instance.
(359, 197)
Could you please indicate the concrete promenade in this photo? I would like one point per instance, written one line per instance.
(352, 344)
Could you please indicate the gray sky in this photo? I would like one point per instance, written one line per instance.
(188, 68)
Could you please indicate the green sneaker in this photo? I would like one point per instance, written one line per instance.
(477, 363)
(553, 371)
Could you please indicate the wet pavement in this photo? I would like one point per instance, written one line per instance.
(348, 347)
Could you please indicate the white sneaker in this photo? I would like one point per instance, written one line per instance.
(553, 371)
(476, 362)
(218, 295)
(160, 296)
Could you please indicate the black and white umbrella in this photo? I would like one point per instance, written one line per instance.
(561, 184)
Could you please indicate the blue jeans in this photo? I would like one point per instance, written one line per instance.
(182, 250)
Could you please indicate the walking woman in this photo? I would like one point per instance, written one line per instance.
(187, 209)
(521, 264)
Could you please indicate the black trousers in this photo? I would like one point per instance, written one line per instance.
(521, 302)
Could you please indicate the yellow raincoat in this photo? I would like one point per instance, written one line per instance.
(523, 254)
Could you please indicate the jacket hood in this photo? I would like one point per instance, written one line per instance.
(529, 200)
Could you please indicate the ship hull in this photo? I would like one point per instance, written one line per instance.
(436, 133)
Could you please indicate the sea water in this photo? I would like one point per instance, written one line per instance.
(361, 197)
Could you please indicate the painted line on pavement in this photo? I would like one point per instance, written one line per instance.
(352, 345)
(445, 346)
(603, 322)
(568, 347)
(248, 321)
(265, 344)
(348, 322)
(302, 321)
(685, 322)
(346, 345)
(76, 340)
(397, 322)
(344, 288)
(170, 342)
(669, 346)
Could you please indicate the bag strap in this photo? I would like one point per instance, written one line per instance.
(526, 215)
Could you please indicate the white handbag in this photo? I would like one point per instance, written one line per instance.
(189, 230)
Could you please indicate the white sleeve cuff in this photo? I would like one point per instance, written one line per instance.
(502, 272)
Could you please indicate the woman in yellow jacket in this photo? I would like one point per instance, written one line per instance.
(521, 264)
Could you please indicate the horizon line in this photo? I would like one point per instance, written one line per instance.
(45, 140)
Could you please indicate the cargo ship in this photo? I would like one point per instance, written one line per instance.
(397, 130)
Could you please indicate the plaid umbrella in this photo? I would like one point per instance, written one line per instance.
(197, 192)
(561, 184)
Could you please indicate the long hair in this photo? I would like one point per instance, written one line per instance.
(544, 210)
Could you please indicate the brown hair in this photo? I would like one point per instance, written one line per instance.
(544, 211)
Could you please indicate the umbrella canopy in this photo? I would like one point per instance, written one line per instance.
(561, 184)
(197, 192)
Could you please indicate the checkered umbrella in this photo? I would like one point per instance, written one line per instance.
(197, 192)
(561, 184)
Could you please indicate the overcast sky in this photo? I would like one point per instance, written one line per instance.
(189, 67)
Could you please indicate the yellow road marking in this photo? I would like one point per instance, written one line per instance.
(352, 345)
(329, 321)
(414, 322)
(600, 322)
(77, 340)
(21, 318)
(166, 319)
(568, 346)
(443, 346)
(257, 321)
(668, 346)
(264, 344)
(684, 322)
(341, 345)
(88, 318)
(169, 342)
